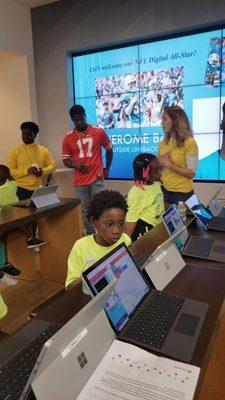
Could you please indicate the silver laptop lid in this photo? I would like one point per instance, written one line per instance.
(214, 204)
(165, 245)
(67, 375)
(43, 190)
(216, 194)
(66, 335)
(44, 196)
(165, 262)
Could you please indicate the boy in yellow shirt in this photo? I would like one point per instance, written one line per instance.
(106, 214)
(145, 199)
(28, 162)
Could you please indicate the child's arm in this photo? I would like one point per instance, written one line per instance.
(75, 267)
(129, 228)
(74, 284)
(135, 202)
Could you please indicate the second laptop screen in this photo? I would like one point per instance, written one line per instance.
(129, 290)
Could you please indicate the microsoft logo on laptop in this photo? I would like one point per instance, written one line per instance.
(82, 360)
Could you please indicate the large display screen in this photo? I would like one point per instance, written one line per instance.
(124, 90)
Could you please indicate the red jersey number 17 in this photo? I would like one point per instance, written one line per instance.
(89, 141)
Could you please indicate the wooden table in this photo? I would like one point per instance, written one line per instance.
(201, 280)
(195, 281)
(59, 224)
(210, 288)
(148, 243)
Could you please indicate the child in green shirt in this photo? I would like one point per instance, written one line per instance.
(106, 214)
(145, 199)
(8, 195)
(3, 308)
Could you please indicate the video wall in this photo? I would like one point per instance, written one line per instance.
(124, 91)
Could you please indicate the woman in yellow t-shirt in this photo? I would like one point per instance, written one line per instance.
(178, 155)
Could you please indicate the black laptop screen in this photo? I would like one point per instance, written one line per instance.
(130, 288)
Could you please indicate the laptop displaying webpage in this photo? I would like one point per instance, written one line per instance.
(129, 290)
(174, 224)
(199, 210)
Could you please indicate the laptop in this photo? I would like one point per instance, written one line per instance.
(66, 338)
(206, 219)
(19, 354)
(139, 314)
(214, 205)
(42, 197)
(192, 246)
(25, 354)
(164, 263)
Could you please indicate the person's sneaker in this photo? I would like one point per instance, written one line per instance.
(34, 242)
(7, 280)
(10, 269)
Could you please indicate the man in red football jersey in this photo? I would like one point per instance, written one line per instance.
(82, 151)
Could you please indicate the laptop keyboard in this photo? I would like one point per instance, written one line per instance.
(140, 259)
(222, 213)
(198, 247)
(217, 223)
(155, 319)
(15, 374)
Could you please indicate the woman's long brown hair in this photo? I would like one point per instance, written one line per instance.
(181, 125)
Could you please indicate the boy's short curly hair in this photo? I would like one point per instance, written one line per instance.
(105, 200)
(30, 125)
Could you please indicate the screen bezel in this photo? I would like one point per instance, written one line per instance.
(144, 276)
(196, 214)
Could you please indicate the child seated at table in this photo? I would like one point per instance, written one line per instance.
(8, 189)
(5, 279)
(3, 308)
(145, 199)
(106, 213)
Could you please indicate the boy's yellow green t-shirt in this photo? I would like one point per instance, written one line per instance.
(171, 180)
(3, 308)
(146, 204)
(86, 252)
(8, 193)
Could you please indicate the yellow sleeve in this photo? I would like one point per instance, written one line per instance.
(135, 202)
(49, 162)
(190, 147)
(75, 264)
(12, 164)
(3, 308)
(127, 240)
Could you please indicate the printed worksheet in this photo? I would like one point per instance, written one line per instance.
(130, 373)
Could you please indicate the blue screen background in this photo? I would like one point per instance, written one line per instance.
(188, 71)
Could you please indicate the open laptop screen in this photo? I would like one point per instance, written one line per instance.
(174, 223)
(129, 290)
(199, 210)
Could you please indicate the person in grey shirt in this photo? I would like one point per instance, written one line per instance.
(106, 117)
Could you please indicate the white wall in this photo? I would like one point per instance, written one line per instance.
(17, 83)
